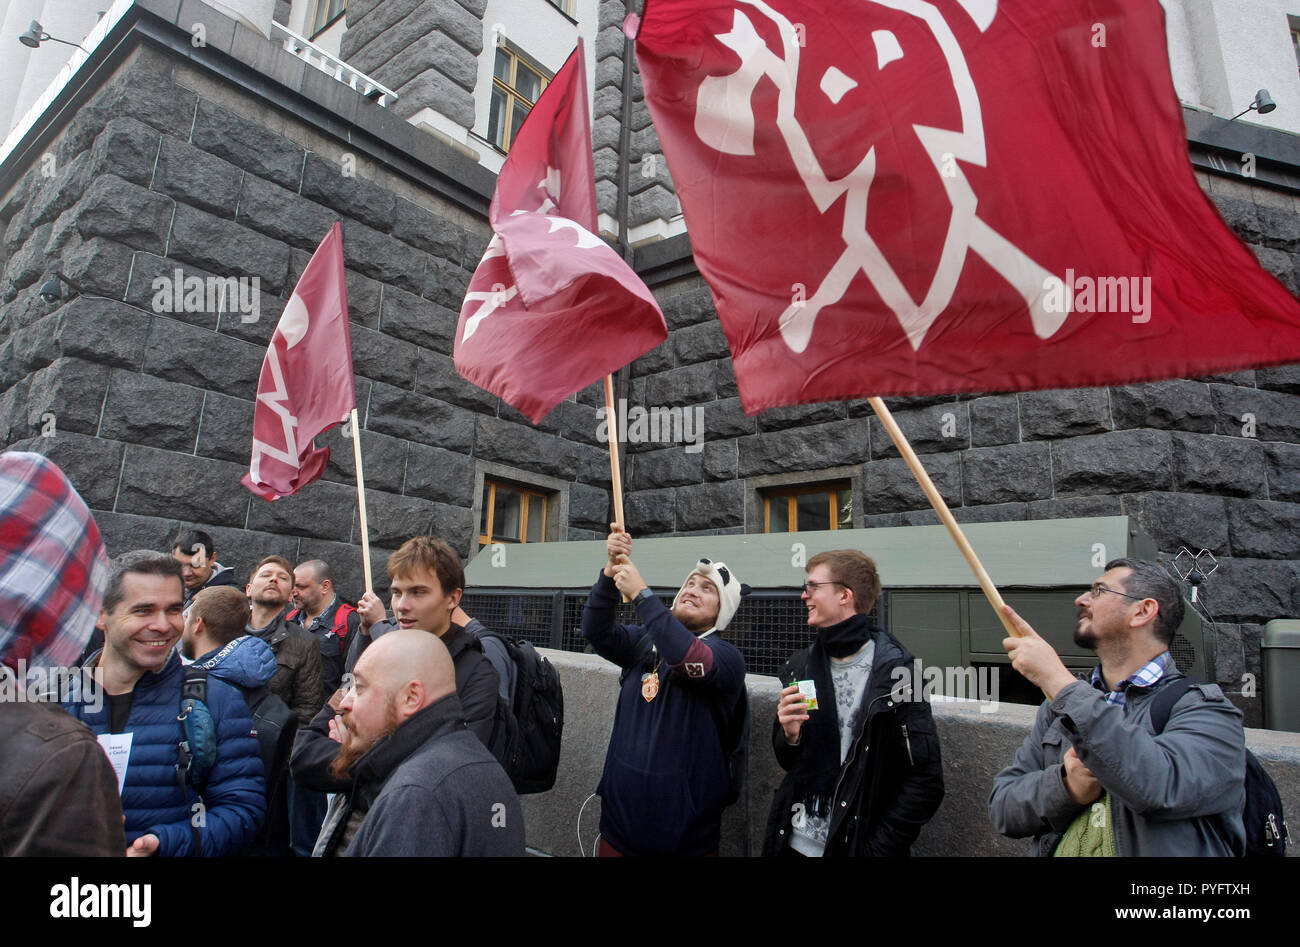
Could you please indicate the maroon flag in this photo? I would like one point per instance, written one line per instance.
(306, 386)
(551, 307)
(908, 197)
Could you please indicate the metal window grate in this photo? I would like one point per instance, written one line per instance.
(767, 628)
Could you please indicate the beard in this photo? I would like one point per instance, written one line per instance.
(354, 747)
(1085, 639)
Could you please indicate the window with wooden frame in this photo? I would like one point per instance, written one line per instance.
(564, 6)
(516, 84)
(1295, 42)
(511, 514)
(327, 13)
(807, 507)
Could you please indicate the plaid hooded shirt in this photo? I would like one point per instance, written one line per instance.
(53, 566)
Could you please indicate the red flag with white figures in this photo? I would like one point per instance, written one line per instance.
(896, 197)
(551, 307)
(306, 386)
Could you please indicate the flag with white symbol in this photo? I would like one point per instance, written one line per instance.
(306, 386)
(551, 307)
(900, 197)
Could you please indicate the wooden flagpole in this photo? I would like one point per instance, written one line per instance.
(945, 515)
(611, 423)
(361, 500)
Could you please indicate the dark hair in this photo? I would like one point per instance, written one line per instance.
(433, 554)
(320, 570)
(280, 561)
(1150, 580)
(853, 569)
(194, 540)
(224, 611)
(142, 562)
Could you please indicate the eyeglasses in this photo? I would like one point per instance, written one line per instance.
(811, 587)
(1098, 588)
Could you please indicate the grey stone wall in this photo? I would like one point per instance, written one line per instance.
(150, 412)
(424, 50)
(1204, 463)
(650, 187)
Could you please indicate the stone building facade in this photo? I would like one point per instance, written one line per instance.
(233, 159)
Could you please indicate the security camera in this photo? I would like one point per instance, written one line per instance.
(51, 292)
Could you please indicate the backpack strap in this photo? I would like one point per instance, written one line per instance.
(1163, 703)
(194, 689)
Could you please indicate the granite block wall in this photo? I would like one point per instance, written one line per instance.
(165, 173)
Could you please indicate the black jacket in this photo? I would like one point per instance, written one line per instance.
(297, 679)
(891, 782)
(431, 789)
(476, 687)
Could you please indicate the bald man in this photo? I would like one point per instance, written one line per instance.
(424, 785)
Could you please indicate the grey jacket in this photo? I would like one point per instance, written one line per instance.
(429, 789)
(1180, 793)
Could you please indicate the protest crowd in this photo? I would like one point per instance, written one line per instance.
(199, 718)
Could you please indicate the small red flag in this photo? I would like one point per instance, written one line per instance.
(551, 307)
(907, 197)
(306, 386)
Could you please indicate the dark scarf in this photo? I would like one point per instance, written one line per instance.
(818, 768)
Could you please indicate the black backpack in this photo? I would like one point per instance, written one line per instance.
(735, 740)
(1266, 832)
(274, 723)
(526, 730)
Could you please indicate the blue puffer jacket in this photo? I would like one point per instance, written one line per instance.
(234, 797)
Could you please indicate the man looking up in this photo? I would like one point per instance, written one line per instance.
(1093, 778)
(863, 773)
(423, 785)
(297, 679)
(681, 699)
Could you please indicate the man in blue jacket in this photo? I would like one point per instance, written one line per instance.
(142, 677)
(666, 777)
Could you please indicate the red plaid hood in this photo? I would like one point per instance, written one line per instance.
(53, 567)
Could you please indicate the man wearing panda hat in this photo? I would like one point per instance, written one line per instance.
(681, 707)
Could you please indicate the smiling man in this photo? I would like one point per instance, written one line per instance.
(426, 579)
(863, 772)
(681, 707)
(168, 810)
(1097, 776)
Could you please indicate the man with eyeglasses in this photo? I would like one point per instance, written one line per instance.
(1093, 778)
(863, 772)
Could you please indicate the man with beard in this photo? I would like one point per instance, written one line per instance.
(426, 579)
(1093, 778)
(422, 784)
(681, 707)
(297, 678)
(863, 772)
(298, 682)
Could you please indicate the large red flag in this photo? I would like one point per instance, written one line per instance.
(306, 386)
(908, 197)
(551, 308)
